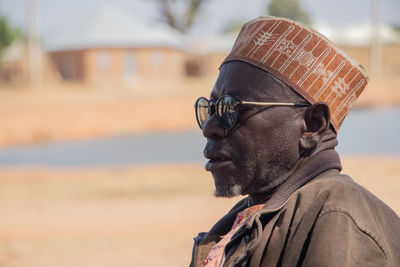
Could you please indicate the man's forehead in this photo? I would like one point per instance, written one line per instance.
(245, 81)
(234, 78)
(234, 89)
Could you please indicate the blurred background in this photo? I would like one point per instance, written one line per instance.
(100, 154)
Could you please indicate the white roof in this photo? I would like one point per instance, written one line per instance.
(357, 34)
(112, 27)
(212, 43)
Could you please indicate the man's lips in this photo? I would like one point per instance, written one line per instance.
(213, 165)
(216, 159)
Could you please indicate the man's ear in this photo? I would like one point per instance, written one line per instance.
(315, 123)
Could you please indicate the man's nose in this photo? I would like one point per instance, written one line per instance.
(212, 128)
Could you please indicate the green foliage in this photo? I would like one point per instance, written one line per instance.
(7, 34)
(290, 9)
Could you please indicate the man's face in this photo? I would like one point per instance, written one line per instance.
(253, 157)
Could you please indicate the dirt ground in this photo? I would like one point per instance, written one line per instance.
(133, 216)
(73, 112)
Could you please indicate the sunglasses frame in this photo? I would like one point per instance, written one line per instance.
(213, 105)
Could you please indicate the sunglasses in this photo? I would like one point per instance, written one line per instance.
(227, 109)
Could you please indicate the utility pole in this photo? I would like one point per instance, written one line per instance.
(376, 43)
(35, 57)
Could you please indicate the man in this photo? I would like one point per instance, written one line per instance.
(271, 123)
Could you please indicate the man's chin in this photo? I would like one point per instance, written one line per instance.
(228, 190)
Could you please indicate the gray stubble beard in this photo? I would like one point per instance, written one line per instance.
(265, 180)
(228, 190)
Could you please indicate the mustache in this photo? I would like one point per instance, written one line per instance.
(217, 150)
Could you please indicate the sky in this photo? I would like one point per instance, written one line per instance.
(215, 16)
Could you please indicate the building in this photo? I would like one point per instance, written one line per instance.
(113, 48)
(14, 66)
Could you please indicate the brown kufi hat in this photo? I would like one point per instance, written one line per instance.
(303, 59)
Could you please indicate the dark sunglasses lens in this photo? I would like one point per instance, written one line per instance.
(227, 111)
(203, 111)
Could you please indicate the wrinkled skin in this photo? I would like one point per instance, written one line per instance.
(258, 155)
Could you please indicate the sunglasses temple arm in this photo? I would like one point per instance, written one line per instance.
(274, 104)
(301, 105)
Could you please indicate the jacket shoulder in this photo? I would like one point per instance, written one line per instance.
(341, 193)
(345, 200)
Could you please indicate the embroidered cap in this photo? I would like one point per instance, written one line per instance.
(303, 59)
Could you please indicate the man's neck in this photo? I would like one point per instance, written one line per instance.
(304, 171)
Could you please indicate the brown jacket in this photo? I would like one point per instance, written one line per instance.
(330, 221)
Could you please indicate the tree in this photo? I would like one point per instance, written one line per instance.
(183, 21)
(7, 34)
(289, 9)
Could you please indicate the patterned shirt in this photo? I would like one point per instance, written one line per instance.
(216, 256)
